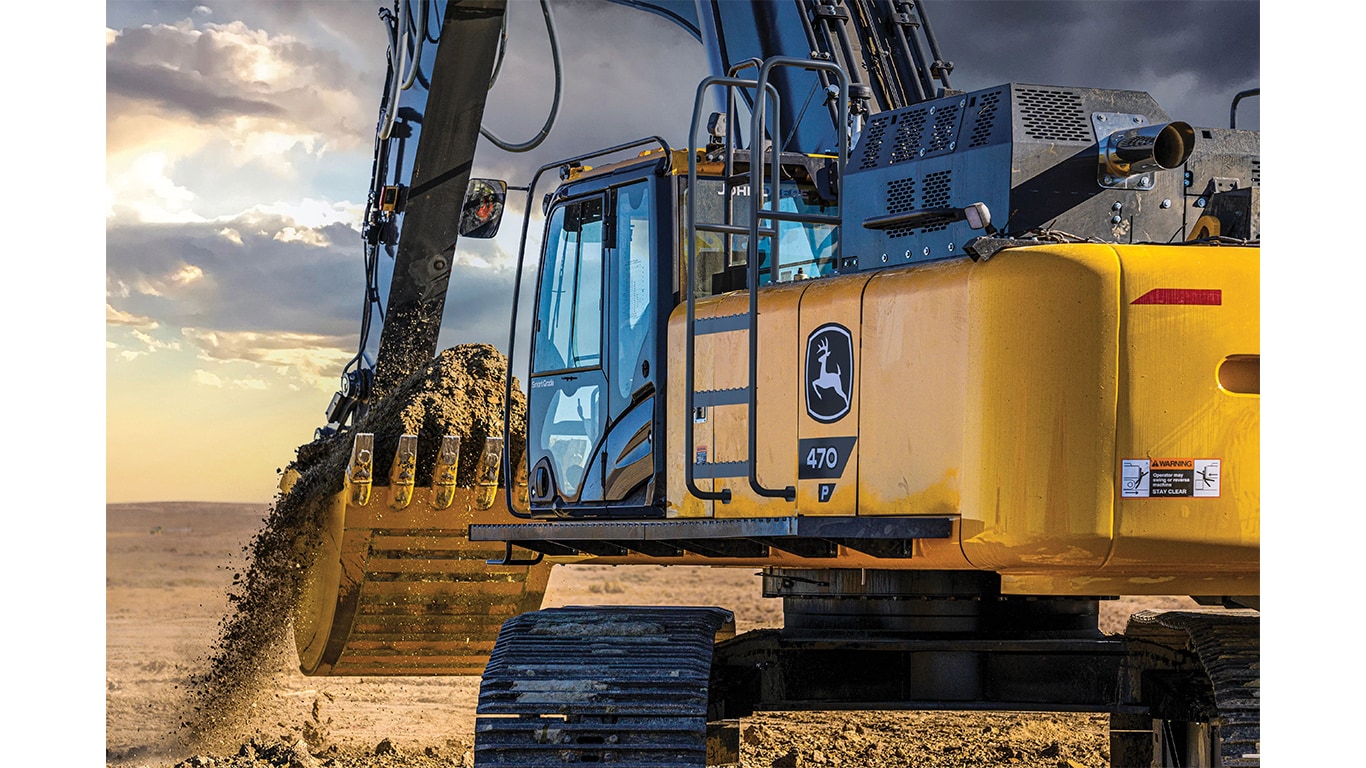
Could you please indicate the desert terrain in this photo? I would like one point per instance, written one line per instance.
(169, 569)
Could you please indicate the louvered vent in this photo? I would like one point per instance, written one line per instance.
(1054, 116)
(945, 131)
(1257, 172)
(989, 105)
(908, 133)
(872, 142)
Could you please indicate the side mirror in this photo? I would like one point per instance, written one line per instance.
(483, 208)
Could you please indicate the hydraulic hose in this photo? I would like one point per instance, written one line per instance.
(405, 40)
(416, 32)
(536, 140)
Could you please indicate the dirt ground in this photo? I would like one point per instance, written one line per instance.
(168, 570)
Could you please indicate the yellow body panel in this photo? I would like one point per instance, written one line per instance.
(1039, 428)
(1191, 417)
(723, 363)
(915, 344)
(825, 302)
(1014, 394)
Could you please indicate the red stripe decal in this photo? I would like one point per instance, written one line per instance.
(1210, 297)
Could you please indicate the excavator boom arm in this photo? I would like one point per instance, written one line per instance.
(451, 113)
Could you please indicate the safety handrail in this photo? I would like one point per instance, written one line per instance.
(690, 235)
(756, 198)
(763, 90)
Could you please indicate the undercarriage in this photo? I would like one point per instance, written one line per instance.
(652, 686)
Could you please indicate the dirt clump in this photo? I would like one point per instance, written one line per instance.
(460, 392)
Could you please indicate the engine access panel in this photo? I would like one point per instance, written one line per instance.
(1033, 155)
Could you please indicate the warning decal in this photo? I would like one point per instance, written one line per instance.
(1158, 478)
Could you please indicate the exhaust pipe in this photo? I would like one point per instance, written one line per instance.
(1146, 149)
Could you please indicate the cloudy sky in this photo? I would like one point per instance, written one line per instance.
(237, 159)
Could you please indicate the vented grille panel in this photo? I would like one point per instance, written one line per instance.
(1257, 172)
(945, 128)
(908, 133)
(934, 193)
(900, 195)
(1054, 116)
(989, 105)
(872, 142)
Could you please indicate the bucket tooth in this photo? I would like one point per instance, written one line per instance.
(403, 475)
(443, 474)
(360, 472)
(486, 474)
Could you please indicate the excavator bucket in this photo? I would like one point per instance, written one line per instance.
(395, 586)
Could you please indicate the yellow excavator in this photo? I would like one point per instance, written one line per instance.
(949, 368)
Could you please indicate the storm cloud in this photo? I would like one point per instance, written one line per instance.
(181, 91)
(1194, 56)
(220, 73)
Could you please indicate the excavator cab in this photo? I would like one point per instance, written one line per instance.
(808, 249)
(611, 273)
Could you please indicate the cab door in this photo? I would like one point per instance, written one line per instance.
(593, 411)
(568, 394)
(628, 453)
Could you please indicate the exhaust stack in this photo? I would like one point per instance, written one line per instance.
(1148, 148)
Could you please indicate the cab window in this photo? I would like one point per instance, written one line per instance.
(806, 250)
(632, 281)
(569, 317)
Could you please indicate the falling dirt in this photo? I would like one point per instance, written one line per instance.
(460, 392)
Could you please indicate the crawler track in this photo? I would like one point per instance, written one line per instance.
(1221, 649)
(625, 686)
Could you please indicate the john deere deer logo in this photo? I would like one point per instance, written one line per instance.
(829, 372)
